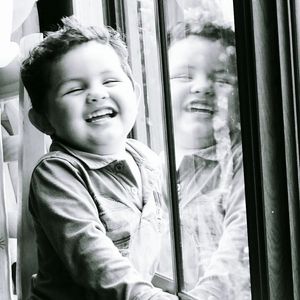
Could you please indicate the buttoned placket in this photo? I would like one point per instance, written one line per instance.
(122, 168)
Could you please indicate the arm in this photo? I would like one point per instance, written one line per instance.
(62, 206)
(227, 276)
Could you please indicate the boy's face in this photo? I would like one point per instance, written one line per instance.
(199, 77)
(92, 105)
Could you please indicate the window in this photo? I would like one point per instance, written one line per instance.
(260, 130)
(268, 71)
(198, 192)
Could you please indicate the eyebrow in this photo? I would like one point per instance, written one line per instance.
(220, 71)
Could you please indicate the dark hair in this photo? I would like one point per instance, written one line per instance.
(207, 30)
(36, 69)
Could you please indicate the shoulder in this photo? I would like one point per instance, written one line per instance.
(141, 150)
(146, 157)
(140, 147)
(57, 161)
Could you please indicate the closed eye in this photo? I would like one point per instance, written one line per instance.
(74, 91)
(223, 81)
(111, 81)
(182, 77)
(223, 78)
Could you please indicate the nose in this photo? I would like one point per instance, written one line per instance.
(96, 93)
(201, 84)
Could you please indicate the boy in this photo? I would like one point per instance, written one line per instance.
(95, 197)
(209, 163)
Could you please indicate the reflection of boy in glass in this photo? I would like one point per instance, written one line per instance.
(209, 161)
(94, 197)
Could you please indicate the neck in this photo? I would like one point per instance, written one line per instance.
(184, 151)
(116, 149)
(181, 152)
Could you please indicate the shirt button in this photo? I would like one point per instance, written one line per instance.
(118, 167)
(124, 252)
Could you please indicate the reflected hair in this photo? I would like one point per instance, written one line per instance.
(207, 30)
(36, 68)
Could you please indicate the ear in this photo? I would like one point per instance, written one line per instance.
(40, 121)
(137, 90)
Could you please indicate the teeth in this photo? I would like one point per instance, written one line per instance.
(196, 106)
(99, 113)
(105, 112)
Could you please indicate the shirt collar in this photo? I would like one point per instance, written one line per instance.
(92, 161)
(96, 161)
(209, 153)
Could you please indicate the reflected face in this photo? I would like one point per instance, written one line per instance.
(92, 105)
(199, 76)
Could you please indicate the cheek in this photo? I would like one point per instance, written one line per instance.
(178, 94)
(225, 97)
(134, 112)
(176, 112)
(234, 106)
(134, 103)
(129, 111)
(63, 115)
(224, 91)
(71, 105)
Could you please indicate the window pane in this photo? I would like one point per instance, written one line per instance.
(206, 125)
(208, 149)
(142, 41)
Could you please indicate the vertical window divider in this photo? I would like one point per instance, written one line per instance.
(247, 85)
(171, 164)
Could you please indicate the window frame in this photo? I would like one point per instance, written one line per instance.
(267, 37)
(127, 21)
(176, 285)
(175, 230)
(268, 44)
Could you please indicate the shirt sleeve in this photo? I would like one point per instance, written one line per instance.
(67, 214)
(228, 275)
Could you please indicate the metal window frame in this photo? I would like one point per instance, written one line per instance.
(160, 7)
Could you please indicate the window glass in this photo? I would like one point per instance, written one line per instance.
(207, 141)
(140, 35)
(139, 19)
(208, 151)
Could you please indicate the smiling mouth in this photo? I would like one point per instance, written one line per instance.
(198, 107)
(101, 114)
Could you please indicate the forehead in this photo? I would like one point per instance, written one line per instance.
(197, 51)
(87, 58)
